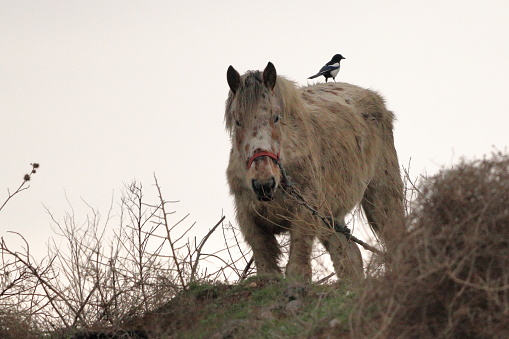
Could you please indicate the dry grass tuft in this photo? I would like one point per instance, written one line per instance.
(450, 276)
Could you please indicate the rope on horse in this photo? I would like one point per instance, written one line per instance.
(328, 221)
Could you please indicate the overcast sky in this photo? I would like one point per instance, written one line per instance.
(104, 92)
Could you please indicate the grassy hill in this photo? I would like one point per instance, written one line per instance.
(255, 308)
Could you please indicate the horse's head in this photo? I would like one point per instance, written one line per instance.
(253, 116)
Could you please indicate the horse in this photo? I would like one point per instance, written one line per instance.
(336, 142)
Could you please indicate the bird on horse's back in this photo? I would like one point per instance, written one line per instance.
(331, 68)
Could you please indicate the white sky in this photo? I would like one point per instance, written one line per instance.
(103, 92)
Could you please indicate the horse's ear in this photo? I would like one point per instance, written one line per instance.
(269, 76)
(233, 78)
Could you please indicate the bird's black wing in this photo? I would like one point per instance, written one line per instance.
(328, 68)
(324, 70)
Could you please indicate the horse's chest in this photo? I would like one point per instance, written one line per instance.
(272, 217)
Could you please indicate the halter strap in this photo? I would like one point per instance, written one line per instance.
(261, 154)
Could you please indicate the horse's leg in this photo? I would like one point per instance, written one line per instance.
(264, 244)
(346, 256)
(266, 252)
(383, 203)
(301, 246)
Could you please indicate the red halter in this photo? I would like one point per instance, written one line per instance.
(261, 154)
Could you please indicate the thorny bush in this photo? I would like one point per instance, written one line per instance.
(450, 276)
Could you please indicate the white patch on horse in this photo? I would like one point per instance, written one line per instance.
(262, 141)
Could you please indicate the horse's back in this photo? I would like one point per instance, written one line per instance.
(364, 101)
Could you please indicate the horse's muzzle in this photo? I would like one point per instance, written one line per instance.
(264, 189)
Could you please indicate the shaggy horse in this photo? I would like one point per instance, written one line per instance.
(335, 141)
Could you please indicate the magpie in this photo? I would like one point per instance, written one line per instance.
(331, 69)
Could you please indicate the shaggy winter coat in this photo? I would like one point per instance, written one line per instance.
(335, 141)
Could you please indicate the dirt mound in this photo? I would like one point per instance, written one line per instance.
(450, 276)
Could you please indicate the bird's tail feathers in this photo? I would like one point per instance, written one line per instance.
(314, 76)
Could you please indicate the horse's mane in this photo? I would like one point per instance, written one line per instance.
(252, 89)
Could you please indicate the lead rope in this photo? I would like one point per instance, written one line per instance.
(331, 222)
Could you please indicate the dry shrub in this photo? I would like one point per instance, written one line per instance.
(104, 270)
(13, 326)
(449, 277)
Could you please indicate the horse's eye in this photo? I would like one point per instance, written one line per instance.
(238, 123)
(277, 117)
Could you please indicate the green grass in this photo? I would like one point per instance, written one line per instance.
(259, 308)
